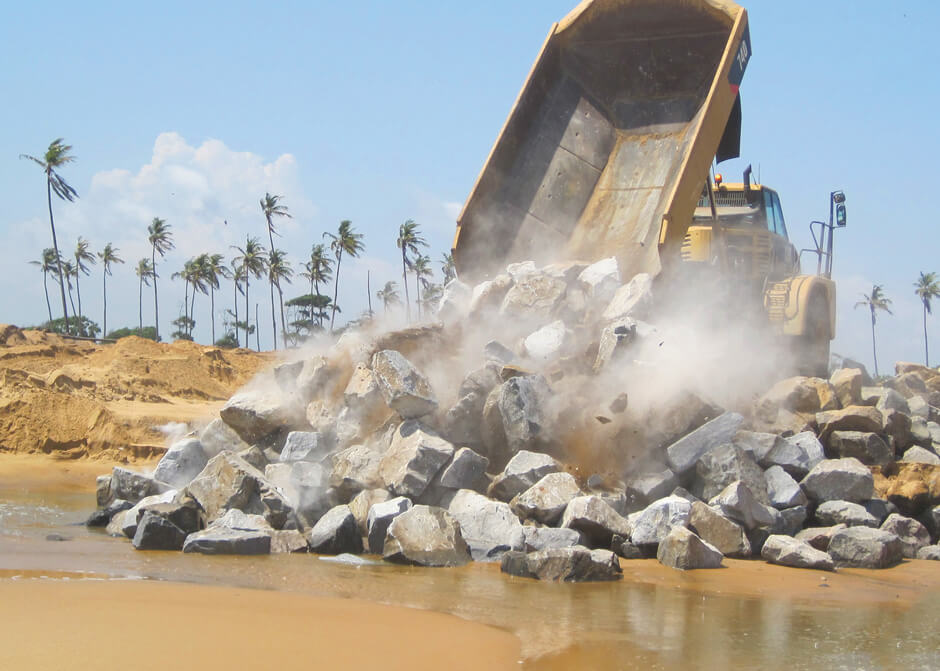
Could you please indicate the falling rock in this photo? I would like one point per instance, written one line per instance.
(850, 514)
(713, 528)
(852, 418)
(533, 297)
(304, 485)
(361, 505)
(868, 448)
(819, 537)
(795, 454)
(487, 296)
(633, 300)
(335, 533)
(413, 459)
(543, 538)
(839, 480)
(615, 340)
(918, 455)
(254, 415)
(522, 406)
(567, 564)
(862, 547)
(218, 437)
(224, 541)
(355, 469)
(738, 503)
(181, 463)
(425, 536)
(929, 552)
(913, 534)
(489, 527)
(782, 490)
(305, 446)
(157, 533)
(546, 500)
(404, 388)
(380, 517)
(601, 279)
(467, 470)
(548, 342)
(131, 486)
(653, 523)
(682, 549)
(455, 302)
(685, 452)
(523, 470)
(463, 420)
(787, 551)
(652, 486)
(596, 521)
(847, 383)
(362, 393)
(721, 466)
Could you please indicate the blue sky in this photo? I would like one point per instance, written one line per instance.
(379, 112)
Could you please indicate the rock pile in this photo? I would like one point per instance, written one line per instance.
(535, 457)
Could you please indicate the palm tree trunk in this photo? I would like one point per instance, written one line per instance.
(45, 288)
(257, 330)
(78, 290)
(185, 301)
(104, 286)
(273, 315)
(58, 259)
(156, 305)
(246, 310)
(140, 306)
(404, 282)
(192, 314)
(237, 343)
(280, 296)
(212, 309)
(72, 303)
(874, 351)
(339, 260)
(316, 290)
(926, 351)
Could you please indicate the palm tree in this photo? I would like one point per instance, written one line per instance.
(271, 209)
(213, 268)
(348, 241)
(70, 271)
(318, 269)
(48, 264)
(56, 156)
(421, 267)
(235, 274)
(108, 256)
(161, 241)
(388, 295)
(927, 287)
(279, 270)
(251, 262)
(83, 256)
(448, 267)
(144, 272)
(876, 301)
(431, 297)
(409, 239)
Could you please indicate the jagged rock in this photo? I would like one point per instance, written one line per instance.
(455, 302)
(568, 564)
(236, 519)
(525, 422)
(868, 448)
(650, 487)
(543, 538)
(404, 388)
(795, 454)
(125, 523)
(218, 437)
(685, 452)
(103, 495)
(413, 459)
(727, 536)
(425, 536)
(119, 521)
(652, 524)
(615, 339)
(852, 418)
(871, 395)
(254, 415)
(335, 533)
(521, 472)
(682, 549)
(362, 394)
(380, 517)
(184, 512)
(931, 520)
(930, 552)
(795, 394)
(879, 509)
(287, 541)
(488, 296)
(354, 469)
(546, 500)
(847, 383)
(912, 534)
(315, 379)
(495, 351)
(899, 429)
(103, 516)
(467, 470)
(548, 342)
(790, 520)
(722, 465)
(304, 485)
(787, 551)
(131, 486)
(912, 487)
(181, 463)
(595, 520)
(224, 541)
(489, 527)
(918, 455)
(463, 420)
(255, 456)
(633, 300)
(757, 444)
(533, 297)
(782, 490)
(862, 547)
(157, 533)
(738, 503)
(305, 446)
(819, 537)
(600, 280)
(908, 384)
(839, 480)
(850, 514)
(361, 505)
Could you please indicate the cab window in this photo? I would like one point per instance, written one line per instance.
(781, 227)
(769, 211)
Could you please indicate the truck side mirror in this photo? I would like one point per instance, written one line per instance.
(840, 215)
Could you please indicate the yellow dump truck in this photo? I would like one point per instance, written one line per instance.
(607, 151)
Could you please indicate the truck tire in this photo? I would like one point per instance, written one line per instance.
(812, 347)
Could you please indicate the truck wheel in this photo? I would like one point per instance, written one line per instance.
(813, 346)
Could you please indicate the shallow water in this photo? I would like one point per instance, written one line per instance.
(686, 621)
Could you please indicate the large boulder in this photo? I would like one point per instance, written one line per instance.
(219, 437)
(181, 463)
(566, 564)
(919, 455)
(335, 533)
(756, 443)
(546, 500)
(782, 490)
(632, 300)
(405, 389)
(852, 418)
(685, 452)
(596, 521)
(413, 459)
(131, 486)
(868, 448)
(912, 534)
(847, 383)
(521, 403)
(305, 487)
(103, 516)
(361, 505)
(254, 415)
(738, 503)
(315, 379)
(543, 538)
(682, 549)
(862, 547)
(455, 302)
(217, 540)
(305, 446)
(819, 537)
(547, 343)
(600, 280)
(489, 527)
(533, 298)
(653, 523)
(839, 480)
(379, 518)
(930, 553)
(467, 470)
(425, 536)
(521, 472)
(830, 513)
(787, 551)
(157, 533)
(797, 394)
(713, 528)
(795, 454)
(614, 341)
(182, 511)
(721, 466)
(651, 485)
(355, 469)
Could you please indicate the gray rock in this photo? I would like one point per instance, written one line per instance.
(128, 519)
(918, 455)
(219, 437)
(236, 519)
(362, 392)
(850, 514)
(683, 453)
(721, 466)
(543, 538)
(615, 340)
(157, 533)
(713, 528)
(682, 549)
(600, 280)
(523, 470)
(404, 388)
(533, 298)
(103, 496)
(305, 486)
(819, 537)
(596, 521)
(546, 500)
(255, 456)
(868, 448)
(782, 490)
(787, 551)
(425, 536)
(892, 400)
(285, 375)
(847, 383)
(118, 523)
(287, 541)
(568, 564)
(738, 503)
(467, 470)
(652, 486)
(131, 486)
(335, 533)
(254, 415)
(182, 462)
(103, 517)
(862, 547)
(653, 523)
(184, 512)
(355, 469)
(758, 445)
(839, 480)
(931, 520)
(547, 343)
(852, 418)
(488, 295)
(789, 521)
(634, 299)
(498, 352)
(413, 459)
(455, 302)
(362, 503)
(380, 518)
(913, 534)
(463, 421)
(223, 541)
(489, 527)
(305, 446)
(795, 454)
(525, 421)
(315, 379)
(879, 509)
(929, 552)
